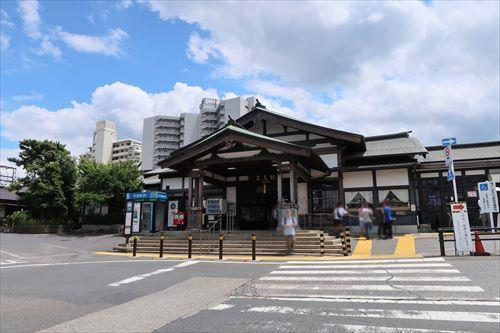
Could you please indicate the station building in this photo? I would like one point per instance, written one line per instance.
(264, 160)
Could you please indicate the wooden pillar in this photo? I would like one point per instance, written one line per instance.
(189, 203)
(279, 184)
(195, 193)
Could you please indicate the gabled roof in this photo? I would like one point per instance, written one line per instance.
(464, 152)
(8, 196)
(258, 113)
(232, 132)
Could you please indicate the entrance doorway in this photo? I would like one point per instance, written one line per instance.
(256, 200)
(147, 220)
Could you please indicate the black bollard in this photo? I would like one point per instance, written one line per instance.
(221, 241)
(322, 243)
(190, 245)
(162, 238)
(254, 239)
(441, 244)
(134, 249)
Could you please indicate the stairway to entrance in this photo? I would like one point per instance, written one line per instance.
(238, 242)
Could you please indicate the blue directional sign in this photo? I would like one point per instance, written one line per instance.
(449, 141)
(451, 174)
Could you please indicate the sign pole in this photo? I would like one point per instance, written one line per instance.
(455, 193)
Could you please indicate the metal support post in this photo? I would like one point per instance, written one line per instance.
(322, 243)
(134, 248)
(190, 246)
(441, 244)
(162, 238)
(254, 239)
(221, 244)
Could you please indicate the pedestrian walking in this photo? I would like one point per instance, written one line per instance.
(289, 223)
(388, 220)
(338, 219)
(366, 219)
(380, 219)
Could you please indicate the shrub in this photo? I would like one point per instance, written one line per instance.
(18, 217)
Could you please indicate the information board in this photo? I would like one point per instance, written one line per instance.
(461, 227)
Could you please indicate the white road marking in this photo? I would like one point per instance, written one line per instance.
(445, 264)
(371, 271)
(382, 329)
(221, 307)
(484, 317)
(335, 299)
(102, 236)
(11, 262)
(366, 261)
(139, 277)
(186, 263)
(381, 287)
(84, 263)
(53, 255)
(366, 278)
(11, 254)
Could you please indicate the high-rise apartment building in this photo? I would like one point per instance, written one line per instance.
(106, 147)
(164, 134)
(102, 143)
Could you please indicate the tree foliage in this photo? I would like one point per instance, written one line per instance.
(50, 178)
(106, 183)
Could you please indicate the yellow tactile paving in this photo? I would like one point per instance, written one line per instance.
(363, 247)
(405, 246)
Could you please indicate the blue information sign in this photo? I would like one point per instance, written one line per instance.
(449, 141)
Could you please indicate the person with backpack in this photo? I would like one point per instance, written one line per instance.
(387, 220)
(289, 223)
(380, 219)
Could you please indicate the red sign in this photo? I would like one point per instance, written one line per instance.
(458, 207)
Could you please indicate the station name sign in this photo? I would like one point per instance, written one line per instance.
(147, 196)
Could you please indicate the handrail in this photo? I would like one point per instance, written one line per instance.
(211, 231)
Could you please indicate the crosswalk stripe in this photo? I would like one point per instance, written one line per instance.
(11, 262)
(373, 271)
(366, 261)
(381, 329)
(336, 299)
(368, 266)
(381, 287)
(484, 317)
(367, 278)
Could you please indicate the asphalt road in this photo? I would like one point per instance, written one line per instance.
(57, 284)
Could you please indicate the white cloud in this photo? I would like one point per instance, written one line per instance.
(31, 18)
(4, 42)
(5, 19)
(49, 48)
(28, 97)
(367, 67)
(108, 45)
(124, 104)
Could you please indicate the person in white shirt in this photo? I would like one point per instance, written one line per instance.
(366, 220)
(338, 219)
(289, 223)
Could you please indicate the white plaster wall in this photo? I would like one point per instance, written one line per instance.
(392, 177)
(173, 183)
(302, 197)
(357, 179)
(474, 172)
(429, 174)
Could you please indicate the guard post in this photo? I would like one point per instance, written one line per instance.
(322, 243)
(162, 238)
(441, 244)
(134, 248)
(221, 241)
(190, 245)
(254, 239)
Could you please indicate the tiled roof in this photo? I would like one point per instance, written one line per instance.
(8, 196)
(461, 154)
(394, 146)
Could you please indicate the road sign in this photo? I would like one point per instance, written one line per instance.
(488, 198)
(451, 174)
(449, 141)
(461, 227)
(448, 158)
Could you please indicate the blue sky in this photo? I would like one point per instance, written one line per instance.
(370, 68)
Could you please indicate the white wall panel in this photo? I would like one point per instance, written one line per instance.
(392, 177)
(331, 160)
(172, 183)
(357, 179)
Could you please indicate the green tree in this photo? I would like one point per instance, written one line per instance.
(106, 184)
(50, 178)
